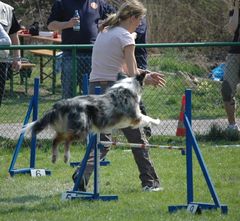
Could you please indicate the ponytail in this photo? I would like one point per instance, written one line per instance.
(111, 21)
(126, 10)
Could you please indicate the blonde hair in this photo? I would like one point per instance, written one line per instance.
(127, 9)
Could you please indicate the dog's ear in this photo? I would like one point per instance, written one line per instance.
(141, 77)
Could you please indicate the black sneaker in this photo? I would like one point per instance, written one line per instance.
(152, 189)
(82, 186)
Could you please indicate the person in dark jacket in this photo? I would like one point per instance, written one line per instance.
(62, 19)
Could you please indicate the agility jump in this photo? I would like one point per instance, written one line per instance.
(32, 108)
(94, 140)
(191, 143)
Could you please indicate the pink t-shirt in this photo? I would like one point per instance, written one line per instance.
(108, 57)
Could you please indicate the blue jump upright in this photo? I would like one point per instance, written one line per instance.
(192, 143)
(32, 108)
(93, 142)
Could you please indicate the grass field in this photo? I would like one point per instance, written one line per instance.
(25, 198)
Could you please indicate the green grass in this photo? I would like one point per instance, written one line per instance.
(25, 198)
(173, 60)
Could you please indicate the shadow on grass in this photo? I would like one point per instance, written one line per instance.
(30, 203)
(21, 199)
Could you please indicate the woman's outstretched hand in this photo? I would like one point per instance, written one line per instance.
(156, 79)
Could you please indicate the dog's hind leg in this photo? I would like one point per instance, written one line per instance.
(70, 137)
(66, 151)
(56, 141)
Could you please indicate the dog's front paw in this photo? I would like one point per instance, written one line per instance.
(156, 121)
(66, 157)
(54, 158)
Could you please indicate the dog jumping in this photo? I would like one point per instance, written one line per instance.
(74, 118)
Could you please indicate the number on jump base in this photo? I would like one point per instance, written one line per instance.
(68, 196)
(38, 172)
(193, 208)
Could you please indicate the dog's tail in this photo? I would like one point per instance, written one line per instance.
(38, 125)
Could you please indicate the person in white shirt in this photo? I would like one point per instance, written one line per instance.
(11, 26)
(113, 53)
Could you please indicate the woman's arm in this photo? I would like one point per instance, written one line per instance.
(16, 64)
(152, 78)
(131, 64)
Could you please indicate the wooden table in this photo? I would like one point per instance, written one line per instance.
(28, 37)
(57, 40)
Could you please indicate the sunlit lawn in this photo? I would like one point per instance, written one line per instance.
(25, 198)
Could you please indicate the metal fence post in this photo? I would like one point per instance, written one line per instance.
(74, 68)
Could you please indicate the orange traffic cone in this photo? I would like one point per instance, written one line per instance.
(181, 130)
